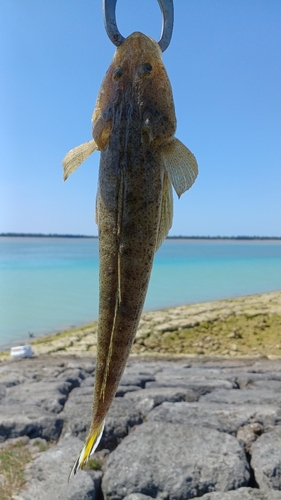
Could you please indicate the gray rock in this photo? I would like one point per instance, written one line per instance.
(77, 415)
(123, 389)
(137, 496)
(139, 379)
(268, 385)
(187, 373)
(266, 460)
(243, 494)
(225, 365)
(2, 391)
(250, 379)
(261, 366)
(77, 412)
(11, 379)
(73, 376)
(47, 475)
(180, 450)
(247, 380)
(50, 396)
(144, 368)
(256, 397)
(45, 367)
(26, 370)
(223, 417)
(199, 385)
(88, 382)
(122, 416)
(26, 420)
(87, 364)
(174, 462)
(199, 373)
(147, 399)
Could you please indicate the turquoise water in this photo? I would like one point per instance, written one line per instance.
(47, 284)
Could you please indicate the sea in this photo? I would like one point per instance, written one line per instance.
(48, 284)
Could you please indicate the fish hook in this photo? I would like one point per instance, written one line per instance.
(167, 9)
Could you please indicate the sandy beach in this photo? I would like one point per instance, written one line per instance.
(244, 326)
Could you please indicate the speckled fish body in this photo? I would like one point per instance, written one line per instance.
(129, 201)
(133, 127)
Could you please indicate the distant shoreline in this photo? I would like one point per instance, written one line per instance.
(82, 236)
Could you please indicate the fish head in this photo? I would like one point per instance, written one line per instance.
(136, 92)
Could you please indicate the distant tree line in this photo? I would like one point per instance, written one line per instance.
(224, 237)
(41, 235)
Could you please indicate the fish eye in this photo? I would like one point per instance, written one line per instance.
(117, 73)
(146, 68)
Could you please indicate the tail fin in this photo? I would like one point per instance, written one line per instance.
(88, 449)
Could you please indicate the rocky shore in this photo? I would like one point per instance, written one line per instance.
(197, 413)
(202, 427)
(245, 326)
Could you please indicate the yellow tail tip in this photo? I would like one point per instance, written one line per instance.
(91, 444)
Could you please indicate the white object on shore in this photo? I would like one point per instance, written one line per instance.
(22, 351)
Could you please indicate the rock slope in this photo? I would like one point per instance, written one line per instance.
(178, 429)
(248, 325)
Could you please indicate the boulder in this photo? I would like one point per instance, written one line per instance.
(77, 412)
(137, 496)
(47, 475)
(88, 382)
(73, 376)
(256, 397)
(10, 379)
(266, 460)
(77, 415)
(200, 385)
(147, 399)
(139, 379)
(175, 462)
(143, 368)
(121, 418)
(223, 417)
(267, 385)
(243, 494)
(26, 420)
(2, 391)
(123, 389)
(48, 395)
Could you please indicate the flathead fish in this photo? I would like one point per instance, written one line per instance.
(133, 127)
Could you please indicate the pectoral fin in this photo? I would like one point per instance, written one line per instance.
(180, 164)
(166, 217)
(76, 156)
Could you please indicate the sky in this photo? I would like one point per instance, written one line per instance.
(224, 64)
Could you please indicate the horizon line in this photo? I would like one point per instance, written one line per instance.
(175, 237)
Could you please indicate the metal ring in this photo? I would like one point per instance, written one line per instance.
(167, 9)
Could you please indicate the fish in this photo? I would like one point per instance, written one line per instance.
(133, 127)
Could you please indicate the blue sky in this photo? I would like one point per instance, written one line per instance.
(224, 63)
